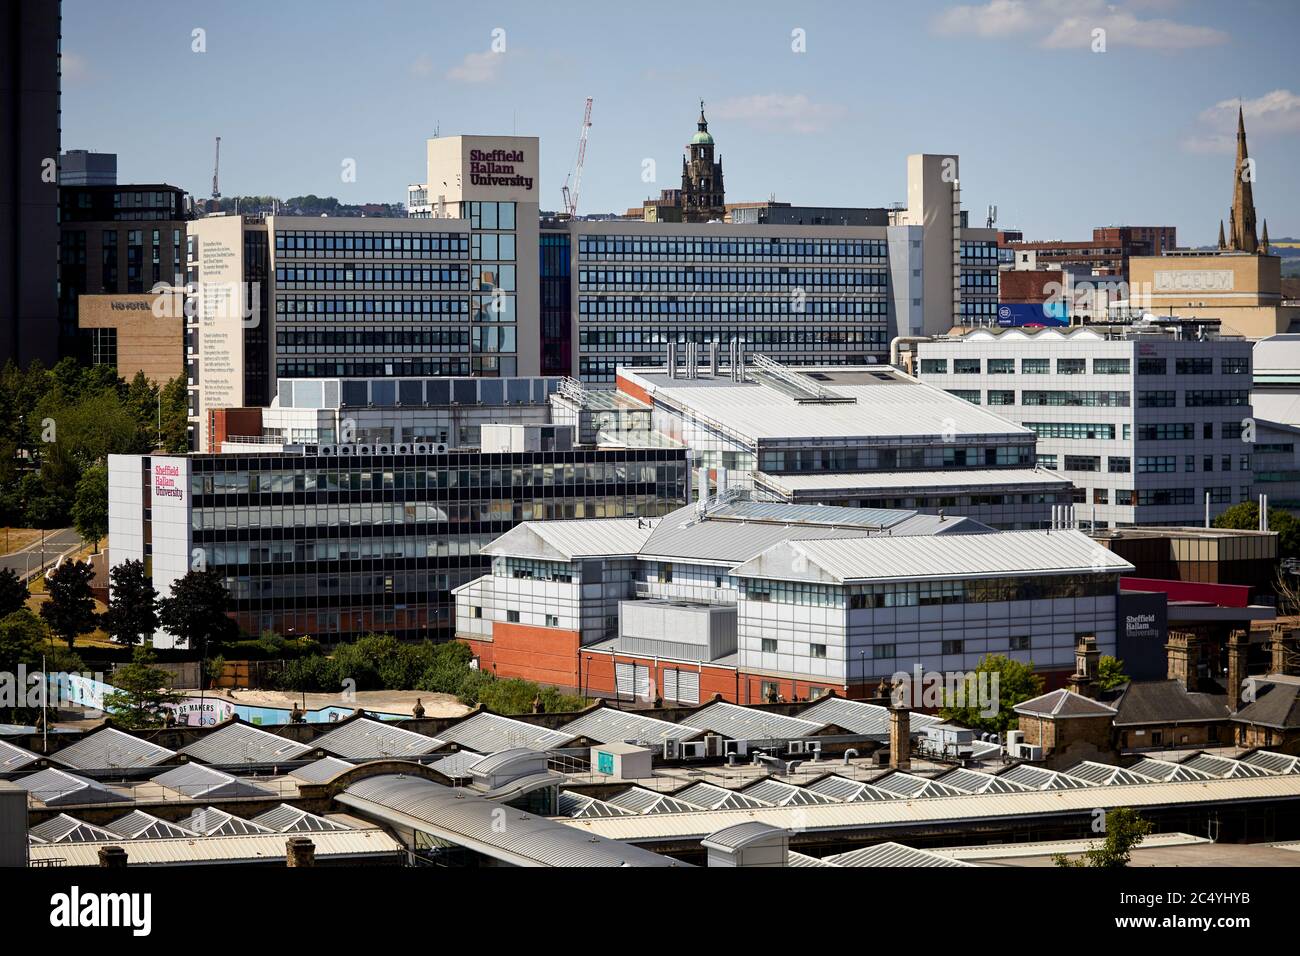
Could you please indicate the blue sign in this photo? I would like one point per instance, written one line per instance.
(1021, 314)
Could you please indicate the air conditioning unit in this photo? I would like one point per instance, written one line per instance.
(1029, 752)
(402, 449)
(383, 449)
(440, 448)
(693, 750)
(327, 450)
(421, 449)
(713, 745)
(1014, 739)
(670, 749)
(365, 449)
(346, 451)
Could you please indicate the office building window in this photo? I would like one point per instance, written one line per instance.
(1002, 366)
(953, 647)
(934, 366)
(1112, 366)
(1082, 463)
(1035, 366)
(1071, 366)
(966, 366)
(1001, 397)
(817, 650)
(1119, 464)
(769, 645)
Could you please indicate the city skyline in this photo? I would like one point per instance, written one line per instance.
(1145, 128)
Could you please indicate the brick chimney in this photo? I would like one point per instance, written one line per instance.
(900, 729)
(1283, 652)
(300, 851)
(1183, 652)
(112, 857)
(1238, 648)
(1087, 666)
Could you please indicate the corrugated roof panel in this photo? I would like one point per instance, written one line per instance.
(473, 822)
(976, 781)
(57, 788)
(748, 723)
(241, 744)
(607, 725)
(66, 829)
(642, 800)
(1277, 763)
(138, 825)
(568, 539)
(712, 797)
(893, 854)
(366, 739)
(1106, 774)
(491, 733)
(911, 786)
(785, 795)
(1225, 767)
(287, 819)
(1167, 770)
(318, 771)
(14, 758)
(801, 859)
(1039, 778)
(109, 749)
(859, 717)
(458, 765)
(580, 805)
(200, 782)
(244, 848)
(210, 821)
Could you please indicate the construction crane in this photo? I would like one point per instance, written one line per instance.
(216, 168)
(571, 197)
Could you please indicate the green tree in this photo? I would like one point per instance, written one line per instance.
(175, 416)
(70, 610)
(1245, 517)
(90, 509)
(1016, 682)
(132, 615)
(23, 637)
(13, 593)
(1124, 831)
(196, 612)
(143, 693)
(1110, 673)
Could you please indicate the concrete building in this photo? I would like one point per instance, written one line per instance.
(142, 332)
(868, 437)
(331, 516)
(29, 198)
(81, 167)
(757, 600)
(1150, 425)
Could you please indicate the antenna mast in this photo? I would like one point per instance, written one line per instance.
(216, 168)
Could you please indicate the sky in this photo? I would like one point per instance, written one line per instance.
(1067, 114)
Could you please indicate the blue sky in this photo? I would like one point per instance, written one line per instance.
(1061, 138)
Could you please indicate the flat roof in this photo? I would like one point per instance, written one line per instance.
(911, 482)
(886, 404)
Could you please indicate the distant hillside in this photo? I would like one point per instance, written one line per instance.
(310, 205)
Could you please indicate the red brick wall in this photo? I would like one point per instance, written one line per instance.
(548, 655)
(1031, 286)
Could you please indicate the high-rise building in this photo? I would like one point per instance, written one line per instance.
(29, 200)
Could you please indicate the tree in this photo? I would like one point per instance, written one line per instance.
(90, 509)
(1016, 682)
(24, 643)
(175, 416)
(132, 615)
(1124, 830)
(1110, 673)
(13, 593)
(70, 610)
(1245, 517)
(195, 614)
(143, 693)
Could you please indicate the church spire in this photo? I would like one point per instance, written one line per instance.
(1263, 240)
(1222, 243)
(1244, 238)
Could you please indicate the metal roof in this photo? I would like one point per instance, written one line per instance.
(318, 771)
(138, 825)
(57, 788)
(712, 797)
(1040, 778)
(490, 733)
(740, 835)
(1167, 770)
(244, 848)
(1064, 703)
(892, 854)
(211, 821)
(976, 781)
(894, 813)
(580, 805)
(812, 514)
(642, 800)
(1002, 851)
(366, 739)
(474, 823)
(458, 764)
(928, 558)
(287, 819)
(859, 717)
(66, 829)
(15, 758)
(1106, 774)
(1278, 763)
(802, 859)
(238, 743)
(749, 723)
(111, 749)
(910, 482)
(565, 540)
(779, 794)
(199, 782)
(1225, 767)
(683, 536)
(607, 725)
(911, 786)
(892, 407)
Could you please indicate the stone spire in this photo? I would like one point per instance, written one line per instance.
(1222, 243)
(1244, 238)
(1263, 239)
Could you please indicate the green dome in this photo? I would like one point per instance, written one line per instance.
(702, 138)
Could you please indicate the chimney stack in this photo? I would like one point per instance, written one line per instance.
(1238, 654)
(112, 857)
(900, 729)
(300, 851)
(1183, 653)
(1087, 666)
(1282, 652)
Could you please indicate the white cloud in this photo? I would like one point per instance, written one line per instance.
(1069, 24)
(788, 111)
(476, 68)
(1276, 113)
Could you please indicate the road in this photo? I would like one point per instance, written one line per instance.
(29, 558)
